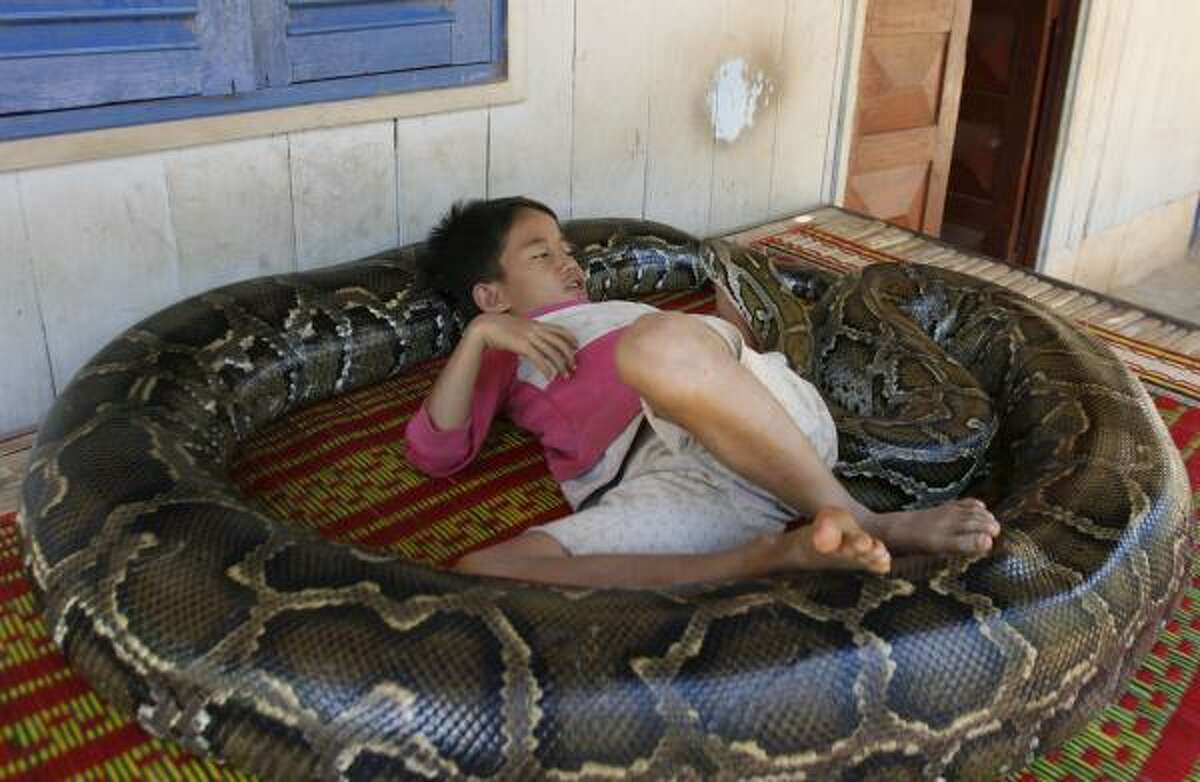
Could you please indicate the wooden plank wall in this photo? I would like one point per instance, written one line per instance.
(1128, 166)
(617, 122)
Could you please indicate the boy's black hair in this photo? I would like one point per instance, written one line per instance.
(464, 248)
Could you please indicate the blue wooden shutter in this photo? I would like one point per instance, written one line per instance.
(74, 65)
(62, 54)
(333, 39)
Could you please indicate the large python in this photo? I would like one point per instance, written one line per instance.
(253, 640)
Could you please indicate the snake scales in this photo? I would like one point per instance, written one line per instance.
(255, 641)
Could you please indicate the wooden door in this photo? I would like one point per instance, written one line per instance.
(910, 77)
(1009, 108)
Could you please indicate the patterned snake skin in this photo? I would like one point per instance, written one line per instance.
(255, 641)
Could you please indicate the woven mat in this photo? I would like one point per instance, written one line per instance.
(339, 467)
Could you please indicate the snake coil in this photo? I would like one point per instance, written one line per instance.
(255, 641)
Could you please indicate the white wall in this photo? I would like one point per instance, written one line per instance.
(617, 122)
(1128, 171)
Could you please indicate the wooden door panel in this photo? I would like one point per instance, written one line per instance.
(896, 194)
(899, 17)
(976, 199)
(973, 167)
(1008, 51)
(910, 78)
(990, 47)
(901, 81)
(898, 148)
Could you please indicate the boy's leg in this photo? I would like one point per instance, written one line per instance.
(689, 375)
(832, 541)
(727, 312)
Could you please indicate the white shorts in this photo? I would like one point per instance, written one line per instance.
(673, 496)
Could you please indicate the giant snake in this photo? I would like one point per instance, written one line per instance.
(253, 640)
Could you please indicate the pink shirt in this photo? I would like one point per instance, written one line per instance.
(576, 418)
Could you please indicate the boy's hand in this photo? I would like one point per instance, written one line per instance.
(550, 347)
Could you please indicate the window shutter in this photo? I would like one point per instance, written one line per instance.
(61, 54)
(332, 39)
(74, 65)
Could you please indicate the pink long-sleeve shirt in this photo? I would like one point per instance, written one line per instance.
(585, 422)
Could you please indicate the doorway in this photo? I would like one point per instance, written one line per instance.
(957, 115)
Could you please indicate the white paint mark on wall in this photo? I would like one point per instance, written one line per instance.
(735, 96)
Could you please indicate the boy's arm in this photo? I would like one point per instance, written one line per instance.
(551, 348)
(449, 429)
(449, 403)
(728, 311)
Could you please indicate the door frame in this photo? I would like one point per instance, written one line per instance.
(1050, 178)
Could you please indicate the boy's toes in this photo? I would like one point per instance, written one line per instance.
(860, 543)
(865, 550)
(877, 559)
(974, 543)
(836, 537)
(985, 525)
(826, 535)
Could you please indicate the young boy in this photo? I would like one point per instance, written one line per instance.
(683, 451)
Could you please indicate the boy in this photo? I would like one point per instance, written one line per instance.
(682, 450)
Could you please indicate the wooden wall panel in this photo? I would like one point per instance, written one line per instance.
(231, 210)
(807, 96)
(25, 386)
(1150, 127)
(1085, 122)
(440, 159)
(1115, 177)
(614, 44)
(344, 192)
(741, 188)
(104, 252)
(529, 152)
(1130, 123)
(1149, 86)
(1177, 108)
(686, 56)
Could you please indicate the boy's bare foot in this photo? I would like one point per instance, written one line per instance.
(832, 541)
(963, 526)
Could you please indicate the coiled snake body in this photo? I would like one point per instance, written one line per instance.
(256, 641)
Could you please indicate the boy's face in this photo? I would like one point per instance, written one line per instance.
(537, 269)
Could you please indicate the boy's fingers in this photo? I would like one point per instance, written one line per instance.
(563, 342)
(549, 356)
(564, 352)
(544, 366)
(560, 330)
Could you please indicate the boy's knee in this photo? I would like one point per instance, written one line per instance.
(667, 345)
